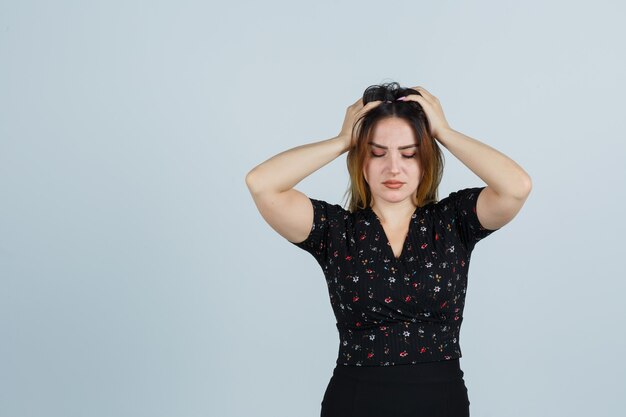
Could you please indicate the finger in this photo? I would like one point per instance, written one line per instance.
(371, 104)
(357, 103)
(413, 97)
(427, 98)
(424, 92)
(420, 89)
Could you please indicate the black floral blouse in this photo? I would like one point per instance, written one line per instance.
(390, 310)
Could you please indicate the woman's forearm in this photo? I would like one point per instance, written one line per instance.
(499, 171)
(284, 170)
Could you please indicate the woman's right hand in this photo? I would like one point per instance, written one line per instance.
(353, 113)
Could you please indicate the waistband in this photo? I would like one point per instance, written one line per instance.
(436, 371)
(399, 343)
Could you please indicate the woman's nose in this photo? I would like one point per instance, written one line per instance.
(394, 163)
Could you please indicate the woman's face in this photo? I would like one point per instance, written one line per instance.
(392, 156)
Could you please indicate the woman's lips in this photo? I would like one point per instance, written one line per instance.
(393, 185)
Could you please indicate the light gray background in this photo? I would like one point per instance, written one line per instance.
(139, 279)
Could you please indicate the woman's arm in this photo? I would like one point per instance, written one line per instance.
(508, 185)
(502, 174)
(283, 171)
(287, 210)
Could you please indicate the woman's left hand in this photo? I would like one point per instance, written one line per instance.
(433, 110)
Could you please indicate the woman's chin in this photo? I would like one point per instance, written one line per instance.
(393, 196)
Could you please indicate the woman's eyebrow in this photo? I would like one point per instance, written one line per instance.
(399, 147)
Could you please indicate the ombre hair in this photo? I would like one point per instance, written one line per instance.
(429, 155)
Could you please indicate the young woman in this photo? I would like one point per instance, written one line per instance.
(395, 262)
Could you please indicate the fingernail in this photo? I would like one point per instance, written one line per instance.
(401, 98)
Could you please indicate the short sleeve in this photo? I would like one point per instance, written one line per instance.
(327, 227)
(463, 204)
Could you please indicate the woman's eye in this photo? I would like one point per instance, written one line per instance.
(406, 156)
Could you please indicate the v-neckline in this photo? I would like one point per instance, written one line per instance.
(387, 243)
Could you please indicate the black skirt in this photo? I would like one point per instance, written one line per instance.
(428, 389)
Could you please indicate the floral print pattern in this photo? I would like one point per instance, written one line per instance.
(403, 310)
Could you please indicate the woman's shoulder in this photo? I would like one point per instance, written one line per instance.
(464, 195)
